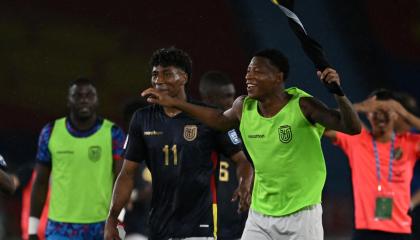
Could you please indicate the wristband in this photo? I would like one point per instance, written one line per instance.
(334, 88)
(121, 231)
(33, 225)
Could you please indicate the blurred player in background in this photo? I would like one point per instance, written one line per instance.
(217, 89)
(81, 153)
(381, 161)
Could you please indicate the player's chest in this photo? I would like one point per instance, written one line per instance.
(179, 133)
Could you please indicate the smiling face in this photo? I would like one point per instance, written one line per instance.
(82, 101)
(262, 78)
(169, 79)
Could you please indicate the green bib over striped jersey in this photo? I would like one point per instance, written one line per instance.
(81, 175)
(286, 150)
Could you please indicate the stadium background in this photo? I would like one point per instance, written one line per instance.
(46, 44)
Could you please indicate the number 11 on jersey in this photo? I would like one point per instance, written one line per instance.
(165, 150)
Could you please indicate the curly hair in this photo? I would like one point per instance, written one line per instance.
(172, 56)
(277, 58)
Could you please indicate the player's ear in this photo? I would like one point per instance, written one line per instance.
(184, 76)
(280, 77)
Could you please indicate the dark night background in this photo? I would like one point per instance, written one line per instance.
(46, 44)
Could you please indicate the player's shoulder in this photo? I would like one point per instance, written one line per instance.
(47, 128)
(411, 136)
(147, 110)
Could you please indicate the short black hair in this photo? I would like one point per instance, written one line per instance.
(172, 56)
(212, 79)
(405, 99)
(277, 58)
(81, 81)
(382, 94)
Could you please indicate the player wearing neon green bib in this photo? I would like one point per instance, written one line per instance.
(76, 154)
(281, 130)
(286, 151)
(79, 195)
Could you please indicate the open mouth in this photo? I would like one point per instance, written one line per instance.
(250, 87)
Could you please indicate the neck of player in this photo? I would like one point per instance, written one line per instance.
(382, 135)
(82, 124)
(172, 111)
(272, 104)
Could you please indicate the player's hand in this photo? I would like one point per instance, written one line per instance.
(368, 105)
(243, 192)
(33, 237)
(329, 76)
(155, 96)
(394, 106)
(111, 231)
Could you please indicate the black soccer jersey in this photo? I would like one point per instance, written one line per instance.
(178, 151)
(231, 223)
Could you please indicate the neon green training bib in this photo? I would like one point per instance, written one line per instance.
(81, 174)
(286, 150)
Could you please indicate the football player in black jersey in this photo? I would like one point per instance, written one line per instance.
(181, 154)
(217, 89)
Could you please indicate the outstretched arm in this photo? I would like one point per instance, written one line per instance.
(345, 119)
(212, 117)
(120, 196)
(244, 173)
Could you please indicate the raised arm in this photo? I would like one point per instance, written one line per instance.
(212, 117)
(408, 117)
(345, 119)
(120, 196)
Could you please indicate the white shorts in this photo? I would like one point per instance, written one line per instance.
(305, 224)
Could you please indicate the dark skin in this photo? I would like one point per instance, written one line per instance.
(169, 81)
(266, 84)
(220, 96)
(82, 101)
(384, 116)
(7, 183)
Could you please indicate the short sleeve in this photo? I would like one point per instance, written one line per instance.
(135, 146)
(229, 142)
(345, 141)
(118, 138)
(43, 154)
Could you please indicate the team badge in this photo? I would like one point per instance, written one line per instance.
(190, 132)
(285, 133)
(95, 153)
